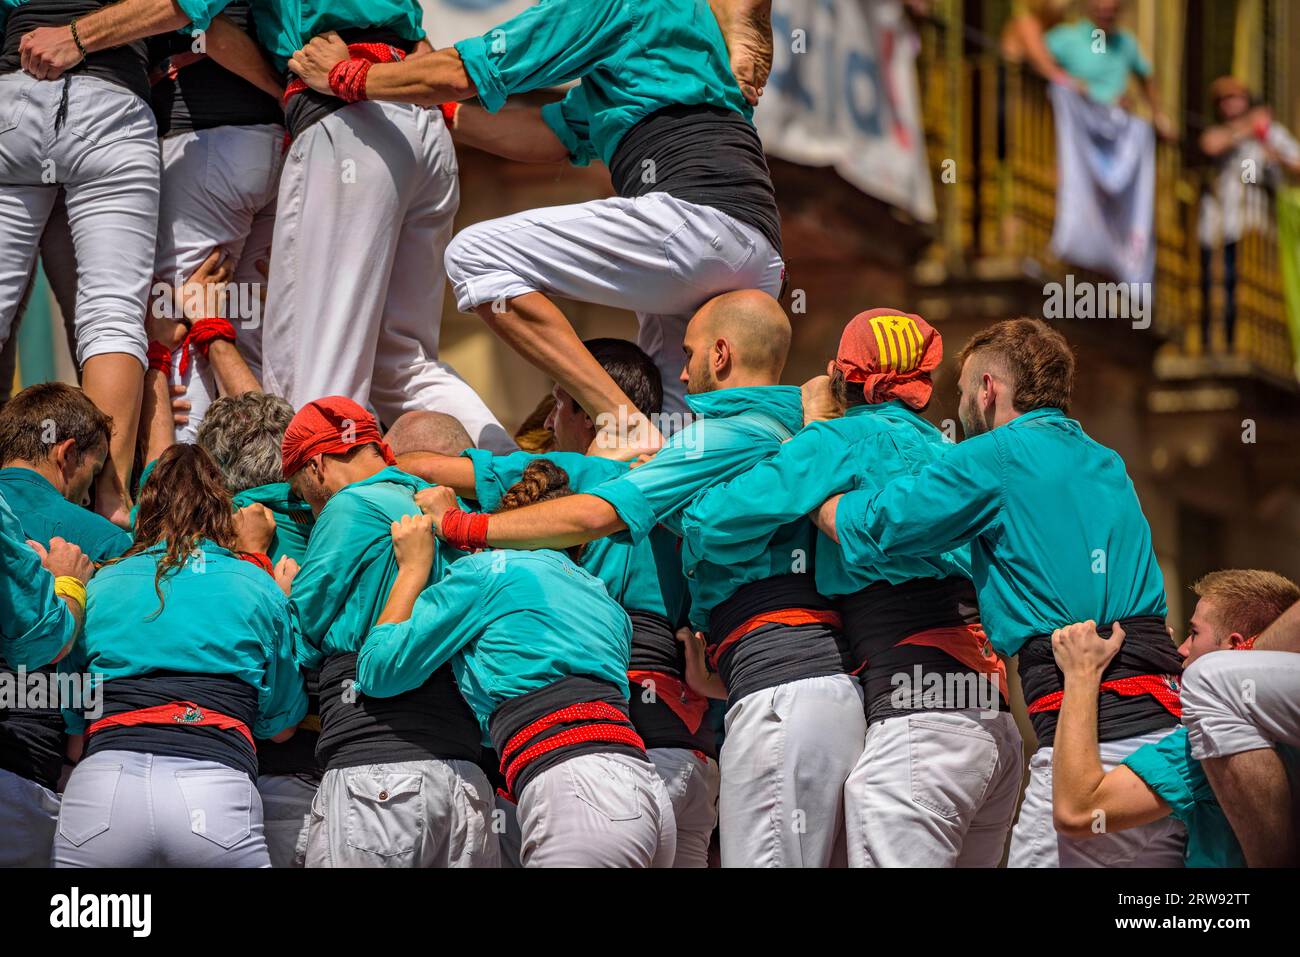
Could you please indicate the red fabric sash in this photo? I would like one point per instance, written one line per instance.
(967, 644)
(681, 700)
(1164, 688)
(370, 52)
(177, 712)
(779, 616)
(609, 724)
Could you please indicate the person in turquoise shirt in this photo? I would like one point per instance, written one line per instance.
(1100, 54)
(533, 640)
(902, 614)
(658, 103)
(46, 481)
(1057, 535)
(243, 434)
(38, 619)
(644, 577)
(335, 459)
(1159, 779)
(774, 634)
(192, 651)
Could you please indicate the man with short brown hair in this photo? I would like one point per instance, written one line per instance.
(53, 444)
(1162, 779)
(1057, 536)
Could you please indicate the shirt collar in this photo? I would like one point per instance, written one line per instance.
(17, 473)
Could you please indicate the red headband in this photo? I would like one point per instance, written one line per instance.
(892, 354)
(329, 426)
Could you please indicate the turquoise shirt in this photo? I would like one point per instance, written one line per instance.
(1104, 63)
(350, 565)
(510, 622)
(220, 616)
(634, 57)
(46, 514)
(285, 26)
(1056, 531)
(738, 428)
(35, 623)
(293, 519)
(866, 450)
(1168, 768)
(645, 576)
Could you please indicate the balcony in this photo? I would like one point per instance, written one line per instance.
(993, 120)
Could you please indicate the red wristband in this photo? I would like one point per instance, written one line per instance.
(160, 358)
(465, 530)
(348, 79)
(207, 331)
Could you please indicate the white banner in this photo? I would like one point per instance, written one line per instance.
(1106, 188)
(843, 93)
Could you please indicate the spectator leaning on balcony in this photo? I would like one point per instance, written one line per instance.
(1097, 51)
(1249, 152)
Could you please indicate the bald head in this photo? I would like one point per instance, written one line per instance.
(739, 336)
(428, 432)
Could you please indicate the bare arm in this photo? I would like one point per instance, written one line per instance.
(236, 51)
(46, 53)
(427, 80)
(824, 517)
(454, 471)
(406, 589)
(1086, 800)
(698, 677)
(561, 523)
(1283, 634)
(1163, 124)
(232, 372)
(518, 134)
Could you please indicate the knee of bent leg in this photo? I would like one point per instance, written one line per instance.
(110, 332)
(1210, 683)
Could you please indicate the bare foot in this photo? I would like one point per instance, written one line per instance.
(747, 28)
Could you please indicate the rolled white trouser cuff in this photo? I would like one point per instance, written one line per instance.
(1036, 843)
(1241, 701)
(472, 292)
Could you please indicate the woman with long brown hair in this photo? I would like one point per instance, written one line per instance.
(193, 647)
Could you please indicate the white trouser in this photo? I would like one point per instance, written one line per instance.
(787, 753)
(131, 809)
(29, 815)
(1035, 843)
(597, 810)
(654, 255)
(104, 155)
(286, 816)
(1235, 702)
(936, 789)
(218, 189)
(367, 199)
(505, 822)
(692, 783)
(407, 814)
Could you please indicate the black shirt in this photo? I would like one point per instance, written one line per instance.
(124, 65)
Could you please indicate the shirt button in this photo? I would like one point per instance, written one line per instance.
(383, 795)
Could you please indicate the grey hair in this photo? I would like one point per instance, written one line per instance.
(243, 434)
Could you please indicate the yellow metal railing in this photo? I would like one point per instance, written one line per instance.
(995, 121)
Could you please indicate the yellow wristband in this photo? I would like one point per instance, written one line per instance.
(66, 586)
